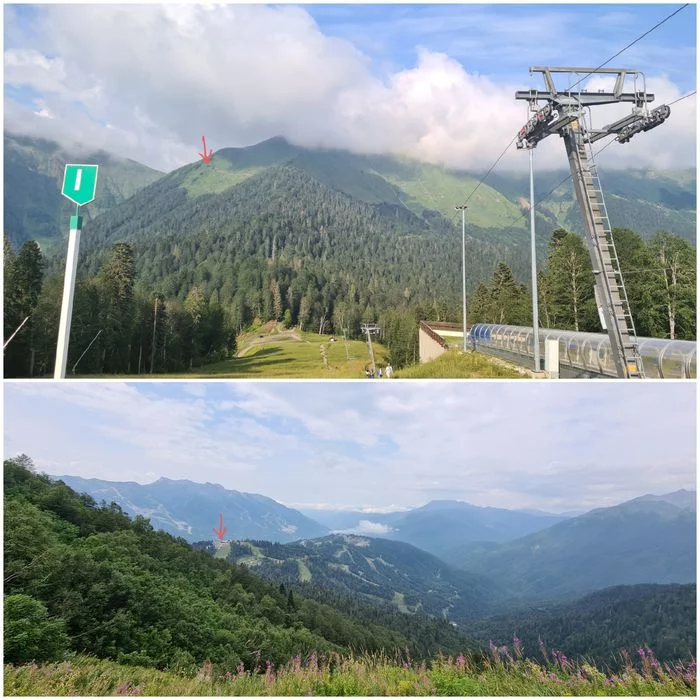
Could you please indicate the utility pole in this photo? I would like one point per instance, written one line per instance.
(463, 208)
(563, 113)
(533, 255)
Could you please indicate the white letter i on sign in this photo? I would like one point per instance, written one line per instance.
(78, 177)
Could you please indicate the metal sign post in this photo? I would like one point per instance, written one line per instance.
(79, 185)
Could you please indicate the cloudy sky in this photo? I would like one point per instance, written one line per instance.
(434, 82)
(554, 446)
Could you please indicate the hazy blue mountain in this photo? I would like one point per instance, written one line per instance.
(378, 570)
(439, 527)
(33, 176)
(681, 499)
(601, 624)
(190, 510)
(645, 540)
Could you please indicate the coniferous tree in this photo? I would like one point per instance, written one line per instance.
(23, 275)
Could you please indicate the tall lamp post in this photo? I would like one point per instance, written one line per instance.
(463, 208)
(533, 255)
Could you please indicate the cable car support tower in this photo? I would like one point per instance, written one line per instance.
(564, 113)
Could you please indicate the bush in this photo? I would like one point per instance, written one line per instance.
(30, 635)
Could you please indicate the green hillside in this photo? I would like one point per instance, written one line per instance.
(87, 579)
(33, 176)
(377, 570)
(641, 541)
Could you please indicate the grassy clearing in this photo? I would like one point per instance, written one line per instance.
(455, 364)
(304, 571)
(274, 354)
(223, 551)
(296, 355)
(499, 675)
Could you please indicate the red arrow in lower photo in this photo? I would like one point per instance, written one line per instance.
(222, 530)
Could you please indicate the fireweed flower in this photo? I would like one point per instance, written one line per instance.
(517, 647)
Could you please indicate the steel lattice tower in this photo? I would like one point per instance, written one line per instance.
(563, 113)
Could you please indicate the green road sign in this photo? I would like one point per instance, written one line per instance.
(80, 183)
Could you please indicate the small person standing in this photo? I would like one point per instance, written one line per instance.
(389, 371)
(380, 372)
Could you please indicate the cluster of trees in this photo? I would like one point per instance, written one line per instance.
(116, 327)
(86, 578)
(660, 278)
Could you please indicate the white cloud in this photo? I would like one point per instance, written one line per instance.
(556, 447)
(162, 75)
(367, 527)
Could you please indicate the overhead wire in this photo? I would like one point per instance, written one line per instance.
(639, 38)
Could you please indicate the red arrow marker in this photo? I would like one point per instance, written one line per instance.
(206, 158)
(222, 530)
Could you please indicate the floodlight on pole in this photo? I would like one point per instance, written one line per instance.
(463, 209)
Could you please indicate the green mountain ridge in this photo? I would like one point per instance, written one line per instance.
(33, 177)
(373, 569)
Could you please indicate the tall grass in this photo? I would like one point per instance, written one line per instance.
(500, 674)
(454, 364)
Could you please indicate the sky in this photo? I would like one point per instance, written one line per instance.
(432, 82)
(376, 446)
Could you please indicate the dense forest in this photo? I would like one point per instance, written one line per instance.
(168, 282)
(375, 569)
(660, 277)
(81, 577)
(116, 327)
(603, 623)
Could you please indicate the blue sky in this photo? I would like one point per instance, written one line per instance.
(433, 82)
(377, 445)
(503, 41)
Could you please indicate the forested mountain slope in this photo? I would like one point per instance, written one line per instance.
(373, 569)
(603, 623)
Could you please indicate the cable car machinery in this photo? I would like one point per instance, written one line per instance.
(564, 113)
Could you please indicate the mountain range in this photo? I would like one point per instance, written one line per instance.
(650, 539)
(644, 200)
(190, 510)
(376, 570)
(482, 554)
(440, 526)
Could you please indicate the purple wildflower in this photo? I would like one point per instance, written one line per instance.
(517, 646)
